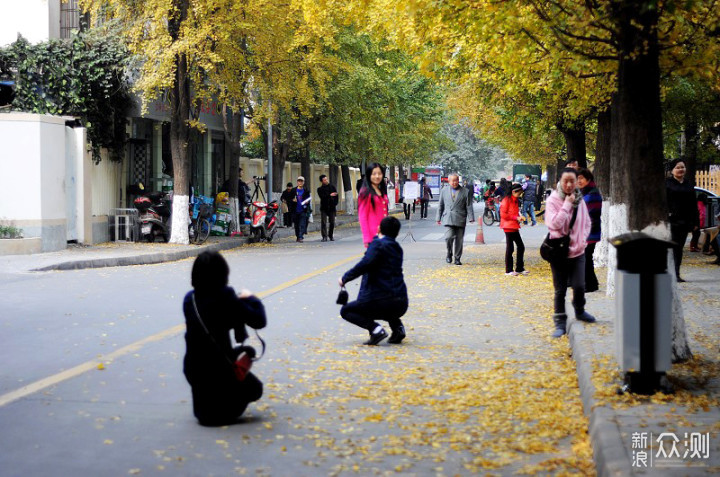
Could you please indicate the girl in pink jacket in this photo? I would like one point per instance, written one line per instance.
(372, 202)
(564, 203)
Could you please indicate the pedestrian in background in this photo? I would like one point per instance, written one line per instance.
(372, 202)
(529, 188)
(286, 199)
(383, 293)
(593, 200)
(301, 199)
(702, 214)
(425, 196)
(682, 210)
(455, 208)
(328, 208)
(566, 214)
(510, 220)
(500, 192)
(213, 310)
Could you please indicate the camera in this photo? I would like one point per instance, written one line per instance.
(259, 178)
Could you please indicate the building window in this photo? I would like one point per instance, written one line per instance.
(69, 17)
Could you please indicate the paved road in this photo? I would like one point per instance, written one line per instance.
(476, 387)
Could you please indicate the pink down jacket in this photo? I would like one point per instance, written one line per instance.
(557, 218)
(370, 217)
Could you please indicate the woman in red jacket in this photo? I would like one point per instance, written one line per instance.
(510, 219)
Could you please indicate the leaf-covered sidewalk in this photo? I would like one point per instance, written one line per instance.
(478, 386)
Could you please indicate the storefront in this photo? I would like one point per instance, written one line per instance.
(150, 157)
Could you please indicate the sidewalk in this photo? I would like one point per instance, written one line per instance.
(121, 254)
(624, 429)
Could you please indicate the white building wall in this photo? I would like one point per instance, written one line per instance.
(32, 181)
(35, 20)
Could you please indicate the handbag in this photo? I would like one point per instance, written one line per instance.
(554, 250)
(342, 297)
(246, 355)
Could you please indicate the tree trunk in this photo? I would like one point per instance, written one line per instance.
(637, 148)
(602, 179)
(551, 176)
(347, 188)
(234, 131)
(332, 174)
(180, 133)
(305, 164)
(689, 153)
(575, 142)
(280, 156)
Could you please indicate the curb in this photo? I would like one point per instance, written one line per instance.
(144, 259)
(611, 457)
(162, 257)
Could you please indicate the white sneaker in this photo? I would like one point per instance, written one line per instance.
(525, 272)
(512, 274)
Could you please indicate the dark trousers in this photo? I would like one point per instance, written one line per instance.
(406, 210)
(226, 406)
(678, 234)
(330, 216)
(512, 238)
(424, 208)
(288, 219)
(591, 281)
(300, 221)
(364, 313)
(454, 236)
(569, 273)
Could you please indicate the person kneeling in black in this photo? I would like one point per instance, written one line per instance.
(218, 397)
(383, 294)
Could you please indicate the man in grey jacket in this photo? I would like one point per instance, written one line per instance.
(454, 210)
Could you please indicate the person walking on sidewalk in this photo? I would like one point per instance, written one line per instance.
(683, 213)
(593, 200)
(455, 208)
(529, 188)
(383, 293)
(212, 310)
(566, 214)
(287, 203)
(328, 208)
(372, 202)
(510, 220)
(300, 202)
(425, 196)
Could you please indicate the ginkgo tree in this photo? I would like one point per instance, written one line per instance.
(585, 55)
(174, 41)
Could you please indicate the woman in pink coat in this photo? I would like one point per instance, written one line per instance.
(565, 202)
(372, 202)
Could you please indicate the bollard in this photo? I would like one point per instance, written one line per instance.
(643, 305)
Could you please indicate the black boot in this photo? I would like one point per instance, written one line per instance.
(397, 335)
(560, 320)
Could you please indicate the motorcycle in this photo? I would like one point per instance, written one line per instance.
(263, 224)
(154, 211)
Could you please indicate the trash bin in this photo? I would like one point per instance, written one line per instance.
(643, 306)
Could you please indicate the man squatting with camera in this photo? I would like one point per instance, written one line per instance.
(383, 293)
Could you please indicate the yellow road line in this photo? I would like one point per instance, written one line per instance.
(177, 329)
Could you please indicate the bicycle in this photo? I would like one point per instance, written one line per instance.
(490, 216)
(199, 229)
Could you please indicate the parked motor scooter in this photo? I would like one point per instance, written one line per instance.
(154, 210)
(263, 225)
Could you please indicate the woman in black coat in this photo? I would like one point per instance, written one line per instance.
(683, 213)
(218, 397)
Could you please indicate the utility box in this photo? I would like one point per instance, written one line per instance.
(643, 309)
